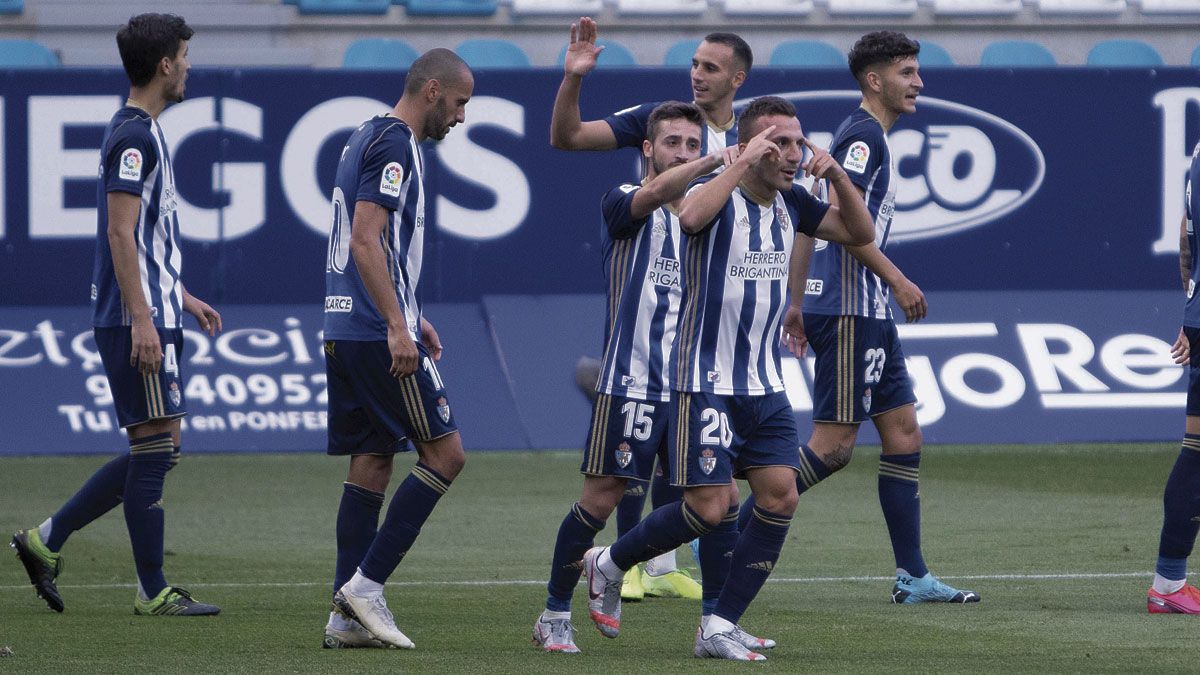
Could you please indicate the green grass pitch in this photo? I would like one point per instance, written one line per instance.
(1059, 540)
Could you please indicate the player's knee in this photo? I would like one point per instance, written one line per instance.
(906, 441)
(782, 500)
(709, 504)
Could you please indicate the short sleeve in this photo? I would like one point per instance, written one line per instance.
(860, 153)
(691, 188)
(131, 156)
(810, 211)
(386, 165)
(629, 125)
(617, 207)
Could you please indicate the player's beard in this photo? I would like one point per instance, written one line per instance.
(435, 125)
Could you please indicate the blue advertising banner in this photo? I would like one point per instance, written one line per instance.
(1039, 209)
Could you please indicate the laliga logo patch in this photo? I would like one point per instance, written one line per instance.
(443, 408)
(956, 167)
(174, 393)
(131, 165)
(867, 400)
(856, 157)
(624, 455)
(389, 182)
(708, 461)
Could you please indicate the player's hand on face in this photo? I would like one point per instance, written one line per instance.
(730, 154)
(146, 354)
(1181, 351)
(794, 337)
(582, 51)
(208, 318)
(430, 339)
(404, 353)
(820, 163)
(760, 147)
(912, 300)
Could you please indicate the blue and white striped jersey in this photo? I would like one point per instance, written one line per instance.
(134, 159)
(381, 163)
(735, 275)
(630, 125)
(838, 284)
(641, 270)
(1191, 206)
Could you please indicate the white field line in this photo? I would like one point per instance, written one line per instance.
(1148, 574)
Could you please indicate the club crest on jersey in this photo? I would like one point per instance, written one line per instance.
(175, 394)
(624, 455)
(443, 408)
(708, 461)
(389, 182)
(782, 216)
(867, 400)
(857, 156)
(131, 165)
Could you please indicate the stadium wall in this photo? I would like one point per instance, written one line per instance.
(1039, 210)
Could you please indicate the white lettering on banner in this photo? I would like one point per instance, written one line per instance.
(503, 177)
(298, 163)
(51, 165)
(1176, 158)
(1046, 367)
(1123, 353)
(1012, 383)
(256, 338)
(82, 419)
(244, 182)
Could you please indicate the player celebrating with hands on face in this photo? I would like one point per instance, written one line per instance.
(731, 416)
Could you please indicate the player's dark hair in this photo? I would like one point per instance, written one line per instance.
(883, 46)
(673, 110)
(145, 40)
(741, 51)
(438, 64)
(763, 106)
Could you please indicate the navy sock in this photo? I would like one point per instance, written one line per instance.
(662, 492)
(716, 551)
(149, 461)
(901, 503)
(410, 508)
(575, 537)
(629, 509)
(357, 523)
(754, 556)
(812, 471)
(665, 529)
(1181, 511)
(99, 495)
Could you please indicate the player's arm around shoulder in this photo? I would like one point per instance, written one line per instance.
(671, 184)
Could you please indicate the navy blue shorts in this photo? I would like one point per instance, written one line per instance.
(860, 368)
(625, 437)
(1193, 394)
(718, 438)
(140, 398)
(373, 413)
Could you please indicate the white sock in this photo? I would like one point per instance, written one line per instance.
(555, 616)
(713, 624)
(338, 622)
(607, 567)
(662, 564)
(1167, 586)
(44, 530)
(360, 585)
(142, 591)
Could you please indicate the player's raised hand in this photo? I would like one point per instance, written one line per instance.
(911, 300)
(404, 353)
(147, 354)
(430, 339)
(582, 51)
(794, 337)
(760, 147)
(820, 163)
(1181, 351)
(208, 318)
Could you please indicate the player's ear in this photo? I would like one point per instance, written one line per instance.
(647, 149)
(738, 78)
(873, 80)
(433, 90)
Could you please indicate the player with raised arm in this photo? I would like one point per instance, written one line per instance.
(719, 67)
(380, 351)
(860, 371)
(1170, 593)
(629, 420)
(731, 416)
(138, 305)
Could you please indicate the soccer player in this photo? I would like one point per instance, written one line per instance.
(1170, 592)
(731, 417)
(380, 351)
(860, 370)
(629, 419)
(719, 68)
(139, 301)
